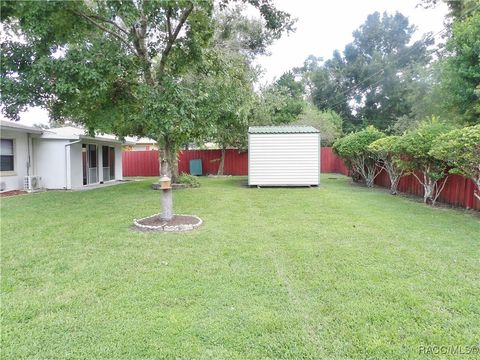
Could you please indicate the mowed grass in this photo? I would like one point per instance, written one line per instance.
(330, 273)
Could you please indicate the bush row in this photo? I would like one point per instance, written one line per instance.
(430, 153)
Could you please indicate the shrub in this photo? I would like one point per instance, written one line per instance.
(328, 122)
(460, 148)
(414, 149)
(383, 150)
(188, 180)
(355, 152)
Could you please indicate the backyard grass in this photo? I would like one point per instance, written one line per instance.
(330, 273)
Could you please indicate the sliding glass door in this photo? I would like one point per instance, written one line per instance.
(108, 160)
(90, 164)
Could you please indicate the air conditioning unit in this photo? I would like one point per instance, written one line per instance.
(32, 183)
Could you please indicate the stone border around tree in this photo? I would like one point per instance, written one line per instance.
(168, 228)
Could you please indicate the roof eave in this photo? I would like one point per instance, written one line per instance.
(23, 130)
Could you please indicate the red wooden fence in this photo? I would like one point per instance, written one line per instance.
(145, 163)
(236, 163)
(140, 163)
(458, 191)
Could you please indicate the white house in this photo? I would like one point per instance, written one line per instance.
(59, 158)
(140, 144)
(15, 154)
(283, 156)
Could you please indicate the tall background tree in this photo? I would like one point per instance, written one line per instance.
(460, 80)
(367, 84)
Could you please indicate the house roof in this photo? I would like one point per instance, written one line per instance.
(11, 125)
(140, 140)
(65, 133)
(286, 129)
(74, 133)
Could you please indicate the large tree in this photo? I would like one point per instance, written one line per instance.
(366, 84)
(237, 40)
(280, 102)
(122, 66)
(461, 69)
(458, 85)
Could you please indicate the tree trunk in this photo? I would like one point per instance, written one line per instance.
(369, 181)
(394, 179)
(166, 170)
(394, 174)
(476, 193)
(173, 164)
(371, 173)
(222, 162)
(428, 189)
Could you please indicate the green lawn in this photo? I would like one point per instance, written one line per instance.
(330, 273)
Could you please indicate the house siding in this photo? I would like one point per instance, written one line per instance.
(50, 162)
(76, 169)
(284, 159)
(14, 180)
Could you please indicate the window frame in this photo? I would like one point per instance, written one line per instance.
(14, 155)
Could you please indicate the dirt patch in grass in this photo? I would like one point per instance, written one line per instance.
(13, 193)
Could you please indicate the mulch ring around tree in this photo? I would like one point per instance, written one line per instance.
(177, 223)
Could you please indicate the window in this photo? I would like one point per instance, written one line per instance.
(92, 156)
(6, 155)
(105, 157)
(112, 162)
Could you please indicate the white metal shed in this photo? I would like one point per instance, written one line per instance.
(283, 156)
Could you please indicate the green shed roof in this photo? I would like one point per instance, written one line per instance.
(282, 130)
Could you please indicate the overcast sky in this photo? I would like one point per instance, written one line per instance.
(322, 27)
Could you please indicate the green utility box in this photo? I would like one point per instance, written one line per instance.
(196, 167)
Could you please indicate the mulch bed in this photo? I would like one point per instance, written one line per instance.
(177, 223)
(13, 193)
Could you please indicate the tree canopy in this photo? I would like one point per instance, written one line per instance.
(328, 122)
(367, 83)
(460, 79)
(460, 149)
(354, 150)
(415, 147)
(128, 67)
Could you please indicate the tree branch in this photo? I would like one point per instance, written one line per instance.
(169, 24)
(438, 190)
(418, 179)
(139, 33)
(172, 39)
(111, 22)
(107, 30)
